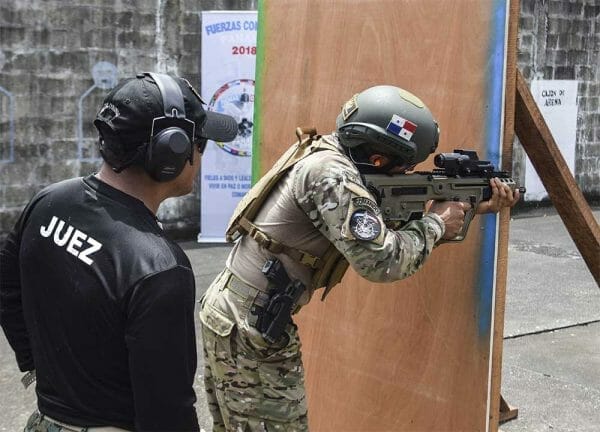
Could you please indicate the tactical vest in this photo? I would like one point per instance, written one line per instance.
(329, 268)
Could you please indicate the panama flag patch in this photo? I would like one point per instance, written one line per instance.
(401, 127)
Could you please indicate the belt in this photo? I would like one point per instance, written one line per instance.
(42, 418)
(255, 300)
(246, 291)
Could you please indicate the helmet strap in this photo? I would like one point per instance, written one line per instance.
(355, 162)
(371, 168)
(366, 167)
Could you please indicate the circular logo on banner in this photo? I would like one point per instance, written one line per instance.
(236, 98)
(364, 225)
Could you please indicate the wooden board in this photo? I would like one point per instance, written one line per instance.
(416, 354)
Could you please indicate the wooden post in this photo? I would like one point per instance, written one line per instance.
(537, 140)
(496, 399)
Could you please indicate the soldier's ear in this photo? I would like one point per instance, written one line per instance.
(378, 160)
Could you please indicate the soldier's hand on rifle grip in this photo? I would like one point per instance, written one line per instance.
(502, 196)
(453, 215)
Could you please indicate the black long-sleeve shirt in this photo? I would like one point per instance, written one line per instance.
(101, 304)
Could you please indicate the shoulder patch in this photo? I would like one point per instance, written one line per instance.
(363, 202)
(364, 225)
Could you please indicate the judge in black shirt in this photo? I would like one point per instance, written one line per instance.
(93, 296)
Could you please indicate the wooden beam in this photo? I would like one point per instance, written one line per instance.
(537, 140)
(504, 218)
(507, 412)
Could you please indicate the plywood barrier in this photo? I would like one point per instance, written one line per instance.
(414, 355)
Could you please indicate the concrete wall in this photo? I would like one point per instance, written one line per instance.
(560, 40)
(48, 49)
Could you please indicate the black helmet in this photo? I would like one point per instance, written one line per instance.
(390, 121)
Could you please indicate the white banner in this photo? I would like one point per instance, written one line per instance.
(227, 71)
(557, 101)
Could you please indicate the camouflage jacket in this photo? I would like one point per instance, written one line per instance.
(323, 200)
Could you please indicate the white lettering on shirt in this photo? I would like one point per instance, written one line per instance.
(76, 242)
(74, 237)
(95, 247)
(65, 238)
(46, 231)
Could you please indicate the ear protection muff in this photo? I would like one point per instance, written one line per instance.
(172, 135)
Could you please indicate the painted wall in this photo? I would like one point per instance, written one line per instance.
(48, 51)
(560, 40)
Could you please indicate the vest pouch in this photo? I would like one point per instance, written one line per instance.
(332, 270)
(337, 273)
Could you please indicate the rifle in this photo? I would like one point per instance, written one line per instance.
(460, 176)
(285, 294)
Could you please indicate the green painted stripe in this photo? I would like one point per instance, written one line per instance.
(258, 92)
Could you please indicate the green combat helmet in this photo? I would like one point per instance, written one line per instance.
(390, 121)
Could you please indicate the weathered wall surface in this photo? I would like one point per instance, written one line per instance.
(48, 49)
(560, 40)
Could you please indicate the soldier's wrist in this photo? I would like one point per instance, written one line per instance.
(437, 224)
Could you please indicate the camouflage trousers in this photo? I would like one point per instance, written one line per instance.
(38, 422)
(251, 385)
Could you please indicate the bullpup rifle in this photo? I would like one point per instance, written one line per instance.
(459, 176)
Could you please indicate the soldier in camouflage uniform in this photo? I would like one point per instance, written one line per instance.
(320, 201)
